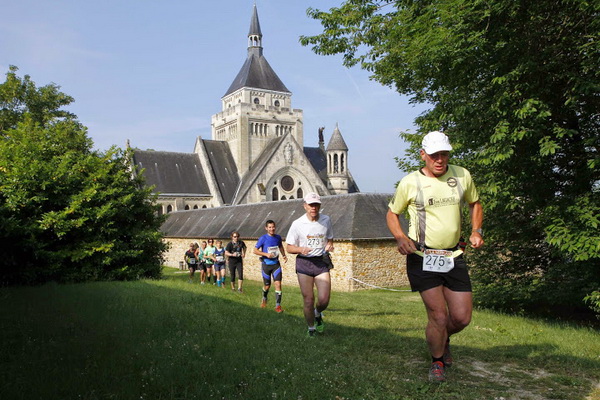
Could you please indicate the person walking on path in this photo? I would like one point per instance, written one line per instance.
(218, 257)
(310, 237)
(201, 262)
(191, 260)
(269, 247)
(235, 252)
(435, 265)
(208, 259)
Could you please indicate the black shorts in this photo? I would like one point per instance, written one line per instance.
(201, 266)
(311, 266)
(272, 269)
(192, 266)
(456, 279)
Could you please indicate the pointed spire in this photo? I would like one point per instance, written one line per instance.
(254, 34)
(337, 141)
(256, 71)
(254, 24)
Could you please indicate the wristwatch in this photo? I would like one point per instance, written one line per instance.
(478, 230)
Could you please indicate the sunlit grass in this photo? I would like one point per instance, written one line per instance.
(170, 339)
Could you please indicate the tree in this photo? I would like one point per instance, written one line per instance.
(67, 213)
(515, 84)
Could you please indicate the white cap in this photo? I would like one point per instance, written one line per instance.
(312, 198)
(436, 141)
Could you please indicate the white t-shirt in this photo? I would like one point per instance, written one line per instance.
(312, 234)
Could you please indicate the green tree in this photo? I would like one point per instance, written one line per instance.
(515, 84)
(67, 213)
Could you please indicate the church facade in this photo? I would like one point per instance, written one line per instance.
(256, 152)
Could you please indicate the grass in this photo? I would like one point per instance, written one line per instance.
(169, 339)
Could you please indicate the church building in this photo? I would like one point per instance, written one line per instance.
(256, 152)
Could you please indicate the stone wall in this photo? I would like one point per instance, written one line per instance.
(374, 262)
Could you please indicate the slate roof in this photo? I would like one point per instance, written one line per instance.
(223, 166)
(357, 216)
(254, 24)
(172, 173)
(318, 160)
(256, 71)
(337, 141)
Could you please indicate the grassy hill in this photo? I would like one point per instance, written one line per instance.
(170, 339)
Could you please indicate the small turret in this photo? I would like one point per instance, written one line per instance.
(337, 163)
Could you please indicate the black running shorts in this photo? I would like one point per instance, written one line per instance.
(456, 279)
(311, 266)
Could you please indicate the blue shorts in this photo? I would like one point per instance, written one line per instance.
(271, 269)
(219, 267)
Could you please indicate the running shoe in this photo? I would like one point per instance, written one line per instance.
(311, 333)
(320, 326)
(279, 309)
(437, 372)
(263, 303)
(240, 290)
(448, 360)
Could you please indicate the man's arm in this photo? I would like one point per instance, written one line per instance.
(329, 245)
(476, 210)
(404, 243)
(261, 253)
(282, 251)
(291, 249)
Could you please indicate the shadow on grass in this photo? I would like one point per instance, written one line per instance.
(173, 340)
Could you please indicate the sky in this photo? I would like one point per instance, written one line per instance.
(153, 72)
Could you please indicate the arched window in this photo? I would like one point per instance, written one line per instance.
(204, 206)
(299, 193)
(277, 103)
(187, 207)
(256, 100)
(342, 164)
(275, 194)
(283, 198)
(195, 206)
(169, 208)
(335, 164)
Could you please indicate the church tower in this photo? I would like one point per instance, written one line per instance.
(256, 108)
(337, 163)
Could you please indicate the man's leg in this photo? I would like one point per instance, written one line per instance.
(306, 288)
(436, 331)
(203, 274)
(232, 275)
(460, 309)
(240, 268)
(278, 294)
(448, 312)
(323, 284)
